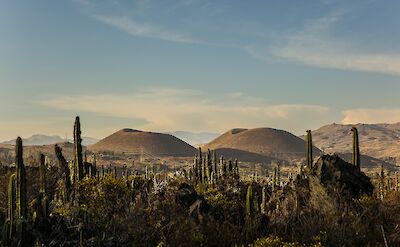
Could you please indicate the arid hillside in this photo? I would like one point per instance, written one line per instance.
(377, 140)
(140, 142)
(278, 144)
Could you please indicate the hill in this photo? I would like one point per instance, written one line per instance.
(140, 142)
(381, 141)
(267, 142)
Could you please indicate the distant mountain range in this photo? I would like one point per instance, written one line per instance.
(39, 139)
(195, 139)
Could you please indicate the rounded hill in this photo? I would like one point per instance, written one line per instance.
(141, 142)
(264, 141)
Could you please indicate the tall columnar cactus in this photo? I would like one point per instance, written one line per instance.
(78, 161)
(263, 200)
(221, 166)
(274, 179)
(94, 166)
(206, 169)
(236, 169)
(42, 174)
(65, 175)
(203, 171)
(200, 156)
(215, 164)
(10, 224)
(195, 168)
(249, 201)
(356, 148)
(230, 167)
(20, 181)
(209, 164)
(278, 173)
(309, 154)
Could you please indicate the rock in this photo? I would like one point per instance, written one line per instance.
(330, 185)
(338, 176)
(186, 195)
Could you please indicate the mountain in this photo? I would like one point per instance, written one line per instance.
(39, 139)
(381, 141)
(195, 139)
(30, 152)
(140, 142)
(267, 142)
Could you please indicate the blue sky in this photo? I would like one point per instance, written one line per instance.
(196, 65)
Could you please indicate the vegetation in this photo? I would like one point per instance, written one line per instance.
(329, 203)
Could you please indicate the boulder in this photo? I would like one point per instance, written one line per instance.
(338, 176)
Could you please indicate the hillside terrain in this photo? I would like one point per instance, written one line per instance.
(140, 142)
(381, 141)
(268, 142)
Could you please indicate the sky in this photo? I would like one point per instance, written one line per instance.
(196, 65)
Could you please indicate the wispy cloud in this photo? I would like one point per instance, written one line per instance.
(139, 29)
(368, 115)
(314, 46)
(166, 110)
(130, 23)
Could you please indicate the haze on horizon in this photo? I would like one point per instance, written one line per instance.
(200, 66)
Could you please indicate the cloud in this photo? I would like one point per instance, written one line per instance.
(314, 46)
(169, 110)
(100, 11)
(135, 28)
(365, 115)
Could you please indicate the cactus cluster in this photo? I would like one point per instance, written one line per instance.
(207, 169)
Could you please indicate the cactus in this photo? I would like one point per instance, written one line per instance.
(206, 169)
(263, 200)
(236, 169)
(64, 170)
(9, 227)
(21, 194)
(356, 148)
(209, 165)
(42, 174)
(21, 181)
(200, 154)
(274, 179)
(381, 182)
(229, 168)
(196, 168)
(309, 154)
(215, 164)
(78, 161)
(278, 174)
(249, 201)
(203, 170)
